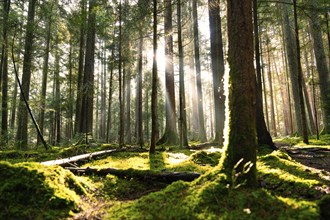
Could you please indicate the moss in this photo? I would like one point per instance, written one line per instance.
(33, 191)
(324, 205)
(203, 158)
(285, 177)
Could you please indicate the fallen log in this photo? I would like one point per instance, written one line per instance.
(167, 177)
(75, 159)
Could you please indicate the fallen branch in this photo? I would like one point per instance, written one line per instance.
(75, 159)
(167, 177)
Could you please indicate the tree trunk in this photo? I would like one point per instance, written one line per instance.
(271, 93)
(170, 136)
(182, 99)
(300, 78)
(202, 133)
(4, 73)
(45, 70)
(88, 83)
(128, 106)
(139, 128)
(262, 132)
(154, 123)
(241, 124)
(218, 68)
(321, 65)
(121, 130)
(80, 90)
(291, 52)
(22, 124)
(57, 96)
(109, 127)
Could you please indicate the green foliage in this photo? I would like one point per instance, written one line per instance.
(33, 191)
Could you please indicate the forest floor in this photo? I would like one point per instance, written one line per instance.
(294, 183)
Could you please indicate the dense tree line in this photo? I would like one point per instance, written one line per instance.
(140, 72)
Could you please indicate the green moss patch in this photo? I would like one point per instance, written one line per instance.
(33, 191)
(287, 190)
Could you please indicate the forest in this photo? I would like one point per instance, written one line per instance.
(165, 109)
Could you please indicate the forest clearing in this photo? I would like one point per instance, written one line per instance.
(165, 109)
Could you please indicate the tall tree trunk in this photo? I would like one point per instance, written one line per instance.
(80, 80)
(57, 96)
(300, 78)
(128, 106)
(121, 130)
(241, 123)
(321, 65)
(291, 52)
(139, 128)
(22, 124)
(271, 93)
(218, 68)
(108, 138)
(88, 83)
(202, 133)
(71, 101)
(170, 135)
(262, 132)
(154, 123)
(285, 64)
(103, 94)
(182, 99)
(4, 73)
(45, 70)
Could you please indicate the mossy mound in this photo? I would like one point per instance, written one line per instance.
(203, 158)
(34, 191)
(287, 191)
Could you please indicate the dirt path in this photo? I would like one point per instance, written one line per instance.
(316, 157)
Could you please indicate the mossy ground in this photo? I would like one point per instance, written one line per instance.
(286, 189)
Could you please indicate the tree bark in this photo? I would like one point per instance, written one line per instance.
(321, 64)
(4, 73)
(263, 135)
(202, 133)
(170, 135)
(241, 122)
(300, 78)
(88, 83)
(291, 52)
(218, 68)
(22, 124)
(154, 123)
(182, 99)
(80, 90)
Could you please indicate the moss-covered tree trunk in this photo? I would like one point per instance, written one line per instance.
(240, 136)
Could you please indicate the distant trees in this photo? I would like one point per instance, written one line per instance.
(92, 70)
